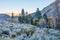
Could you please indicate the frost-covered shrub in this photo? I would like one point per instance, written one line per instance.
(23, 30)
(5, 32)
(1, 31)
(18, 33)
(28, 32)
(54, 32)
(31, 31)
(13, 34)
(4, 36)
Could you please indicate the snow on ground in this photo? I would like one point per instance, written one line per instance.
(26, 32)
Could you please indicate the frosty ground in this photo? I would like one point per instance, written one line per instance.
(18, 31)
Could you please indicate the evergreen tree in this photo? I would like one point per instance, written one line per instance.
(12, 16)
(37, 10)
(26, 13)
(22, 12)
(26, 17)
(20, 19)
(45, 17)
(23, 16)
(38, 13)
(47, 20)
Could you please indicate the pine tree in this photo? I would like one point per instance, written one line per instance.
(20, 19)
(38, 12)
(26, 17)
(12, 16)
(45, 17)
(26, 13)
(22, 12)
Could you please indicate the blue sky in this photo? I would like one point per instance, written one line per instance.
(28, 5)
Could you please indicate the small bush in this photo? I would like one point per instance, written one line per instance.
(13, 36)
(5, 32)
(18, 33)
(31, 31)
(28, 32)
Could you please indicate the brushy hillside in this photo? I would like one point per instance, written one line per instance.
(17, 31)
